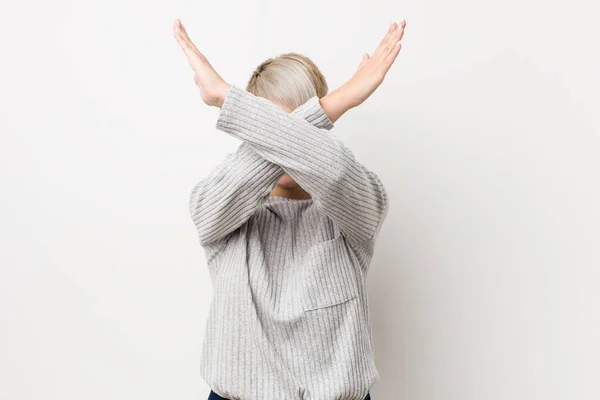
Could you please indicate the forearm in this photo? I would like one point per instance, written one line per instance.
(335, 104)
(234, 188)
(317, 160)
(231, 192)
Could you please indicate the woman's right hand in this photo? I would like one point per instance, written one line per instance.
(372, 70)
(213, 89)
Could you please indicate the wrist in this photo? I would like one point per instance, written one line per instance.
(222, 93)
(351, 93)
(337, 103)
(345, 97)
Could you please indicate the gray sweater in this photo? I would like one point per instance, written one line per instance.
(289, 318)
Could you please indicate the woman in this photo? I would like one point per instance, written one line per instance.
(288, 224)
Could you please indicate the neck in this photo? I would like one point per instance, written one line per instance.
(295, 192)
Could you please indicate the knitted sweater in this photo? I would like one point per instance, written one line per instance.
(289, 318)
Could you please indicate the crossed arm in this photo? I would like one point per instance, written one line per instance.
(275, 142)
(231, 192)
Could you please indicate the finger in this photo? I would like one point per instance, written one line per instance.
(390, 33)
(396, 35)
(399, 33)
(194, 56)
(183, 32)
(177, 33)
(387, 41)
(184, 37)
(178, 30)
(390, 58)
(185, 45)
(392, 40)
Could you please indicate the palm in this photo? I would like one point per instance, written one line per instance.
(212, 87)
(372, 70)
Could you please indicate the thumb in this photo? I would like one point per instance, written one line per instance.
(365, 58)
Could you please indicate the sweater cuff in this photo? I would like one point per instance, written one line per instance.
(226, 114)
(311, 111)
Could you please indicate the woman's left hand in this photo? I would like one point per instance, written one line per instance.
(368, 77)
(372, 70)
(213, 89)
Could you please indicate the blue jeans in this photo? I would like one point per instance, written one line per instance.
(214, 396)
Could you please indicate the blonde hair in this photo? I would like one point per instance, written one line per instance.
(289, 79)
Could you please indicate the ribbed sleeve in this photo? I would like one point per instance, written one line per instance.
(350, 194)
(231, 192)
(312, 112)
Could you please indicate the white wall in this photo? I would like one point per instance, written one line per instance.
(486, 133)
